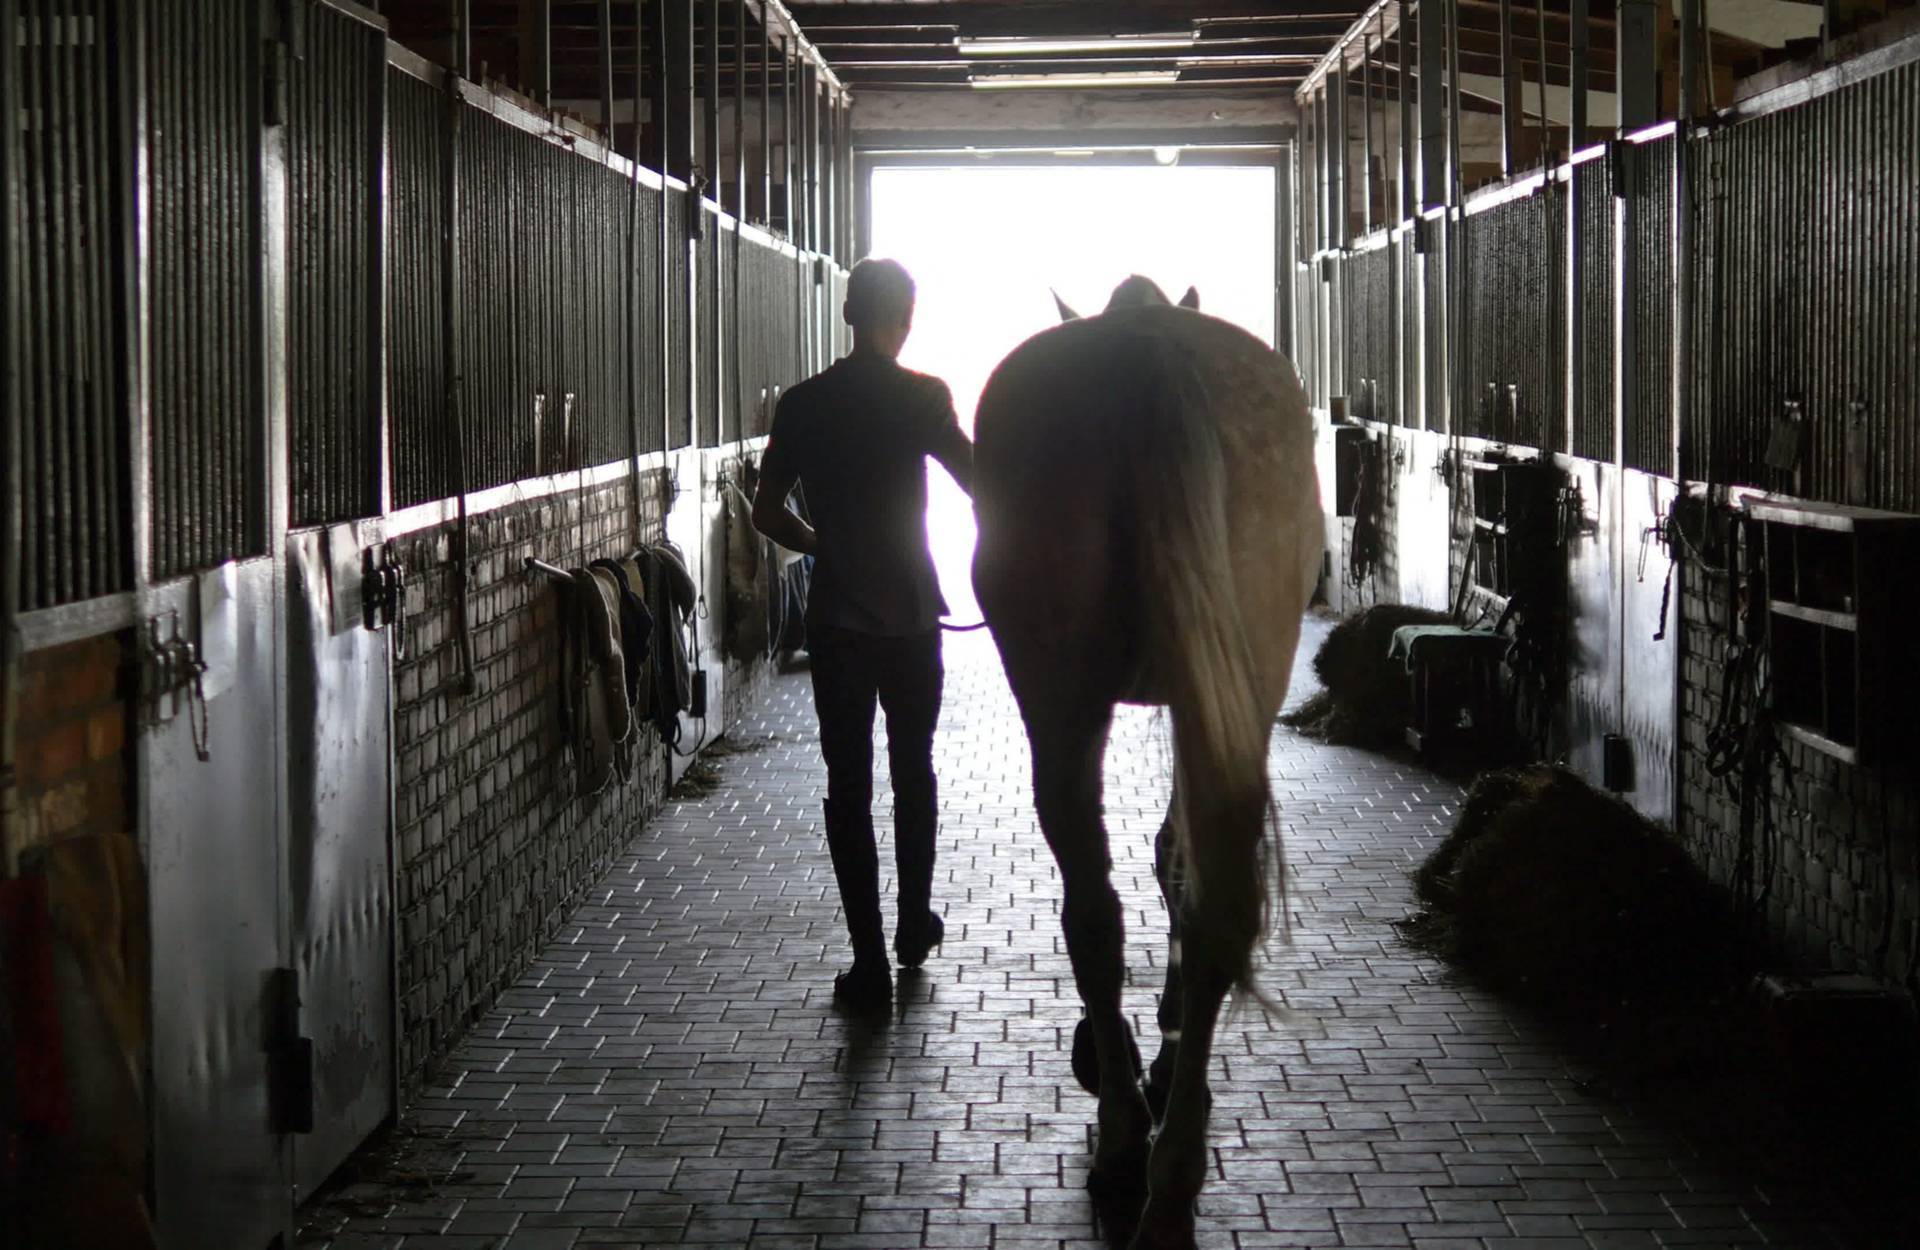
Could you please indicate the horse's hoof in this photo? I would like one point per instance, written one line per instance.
(1163, 1229)
(1086, 1061)
(1120, 1177)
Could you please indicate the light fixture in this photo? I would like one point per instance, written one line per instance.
(1128, 78)
(1021, 45)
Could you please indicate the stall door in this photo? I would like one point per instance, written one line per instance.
(339, 589)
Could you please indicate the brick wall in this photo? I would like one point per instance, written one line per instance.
(488, 856)
(74, 767)
(1845, 888)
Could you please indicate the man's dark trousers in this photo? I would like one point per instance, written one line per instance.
(851, 671)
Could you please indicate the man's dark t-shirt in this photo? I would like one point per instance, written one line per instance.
(857, 435)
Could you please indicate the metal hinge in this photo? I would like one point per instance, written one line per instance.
(383, 590)
(290, 1074)
(172, 678)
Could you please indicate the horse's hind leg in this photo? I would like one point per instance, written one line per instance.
(1212, 945)
(1066, 785)
(1168, 873)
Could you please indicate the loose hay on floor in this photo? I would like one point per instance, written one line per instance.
(1552, 888)
(1365, 699)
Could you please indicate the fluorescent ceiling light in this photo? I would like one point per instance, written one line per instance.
(1129, 78)
(1020, 45)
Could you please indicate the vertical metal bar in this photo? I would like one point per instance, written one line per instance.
(1433, 119)
(1510, 119)
(1540, 63)
(1578, 75)
(536, 50)
(1456, 180)
(1367, 181)
(710, 103)
(766, 117)
(460, 15)
(606, 70)
(788, 199)
(1636, 77)
(656, 70)
(739, 119)
(1689, 51)
(1403, 95)
(1339, 200)
(810, 152)
(678, 105)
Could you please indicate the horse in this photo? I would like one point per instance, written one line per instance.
(1150, 533)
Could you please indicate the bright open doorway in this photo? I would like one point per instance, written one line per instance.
(989, 247)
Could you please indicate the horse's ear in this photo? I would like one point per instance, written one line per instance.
(1191, 299)
(1066, 313)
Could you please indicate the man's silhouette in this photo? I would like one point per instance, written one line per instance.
(855, 438)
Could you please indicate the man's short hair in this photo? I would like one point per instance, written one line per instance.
(879, 293)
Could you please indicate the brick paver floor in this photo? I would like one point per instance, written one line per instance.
(670, 1071)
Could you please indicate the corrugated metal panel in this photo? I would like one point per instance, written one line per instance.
(335, 129)
(1648, 435)
(1434, 325)
(706, 307)
(1510, 256)
(1369, 327)
(679, 314)
(544, 307)
(1807, 259)
(416, 225)
(653, 383)
(63, 153)
(1306, 330)
(1408, 335)
(203, 129)
(1593, 416)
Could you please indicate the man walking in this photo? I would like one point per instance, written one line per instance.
(855, 438)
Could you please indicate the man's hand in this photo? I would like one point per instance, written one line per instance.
(772, 517)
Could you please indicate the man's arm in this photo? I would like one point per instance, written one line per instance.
(951, 447)
(772, 517)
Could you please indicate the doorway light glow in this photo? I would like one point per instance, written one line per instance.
(1020, 45)
(1124, 78)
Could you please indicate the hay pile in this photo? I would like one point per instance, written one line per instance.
(1364, 702)
(1551, 888)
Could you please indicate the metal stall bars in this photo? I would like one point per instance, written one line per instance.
(1512, 259)
(67, 158)
(423, 467)
(1808, 289)
(207, 470)
(1591, 325)
(336, 143)
(1646, 257)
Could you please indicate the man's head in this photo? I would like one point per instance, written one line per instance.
(879, 305)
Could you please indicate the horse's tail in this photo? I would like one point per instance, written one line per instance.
(1199, 658)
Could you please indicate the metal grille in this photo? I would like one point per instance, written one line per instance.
(679, 314)
(335, 125)
(1808, 262)
(652, 364)
(1434, 326)
(1593, 416)
(1406, 345)
(768, 336)
(1510, 261)
(544, 306)
(1369, 324)
(417, 210)
(203, 127)
(1648, 434)
(706, 306)
(1306, 330)
(62, 155)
